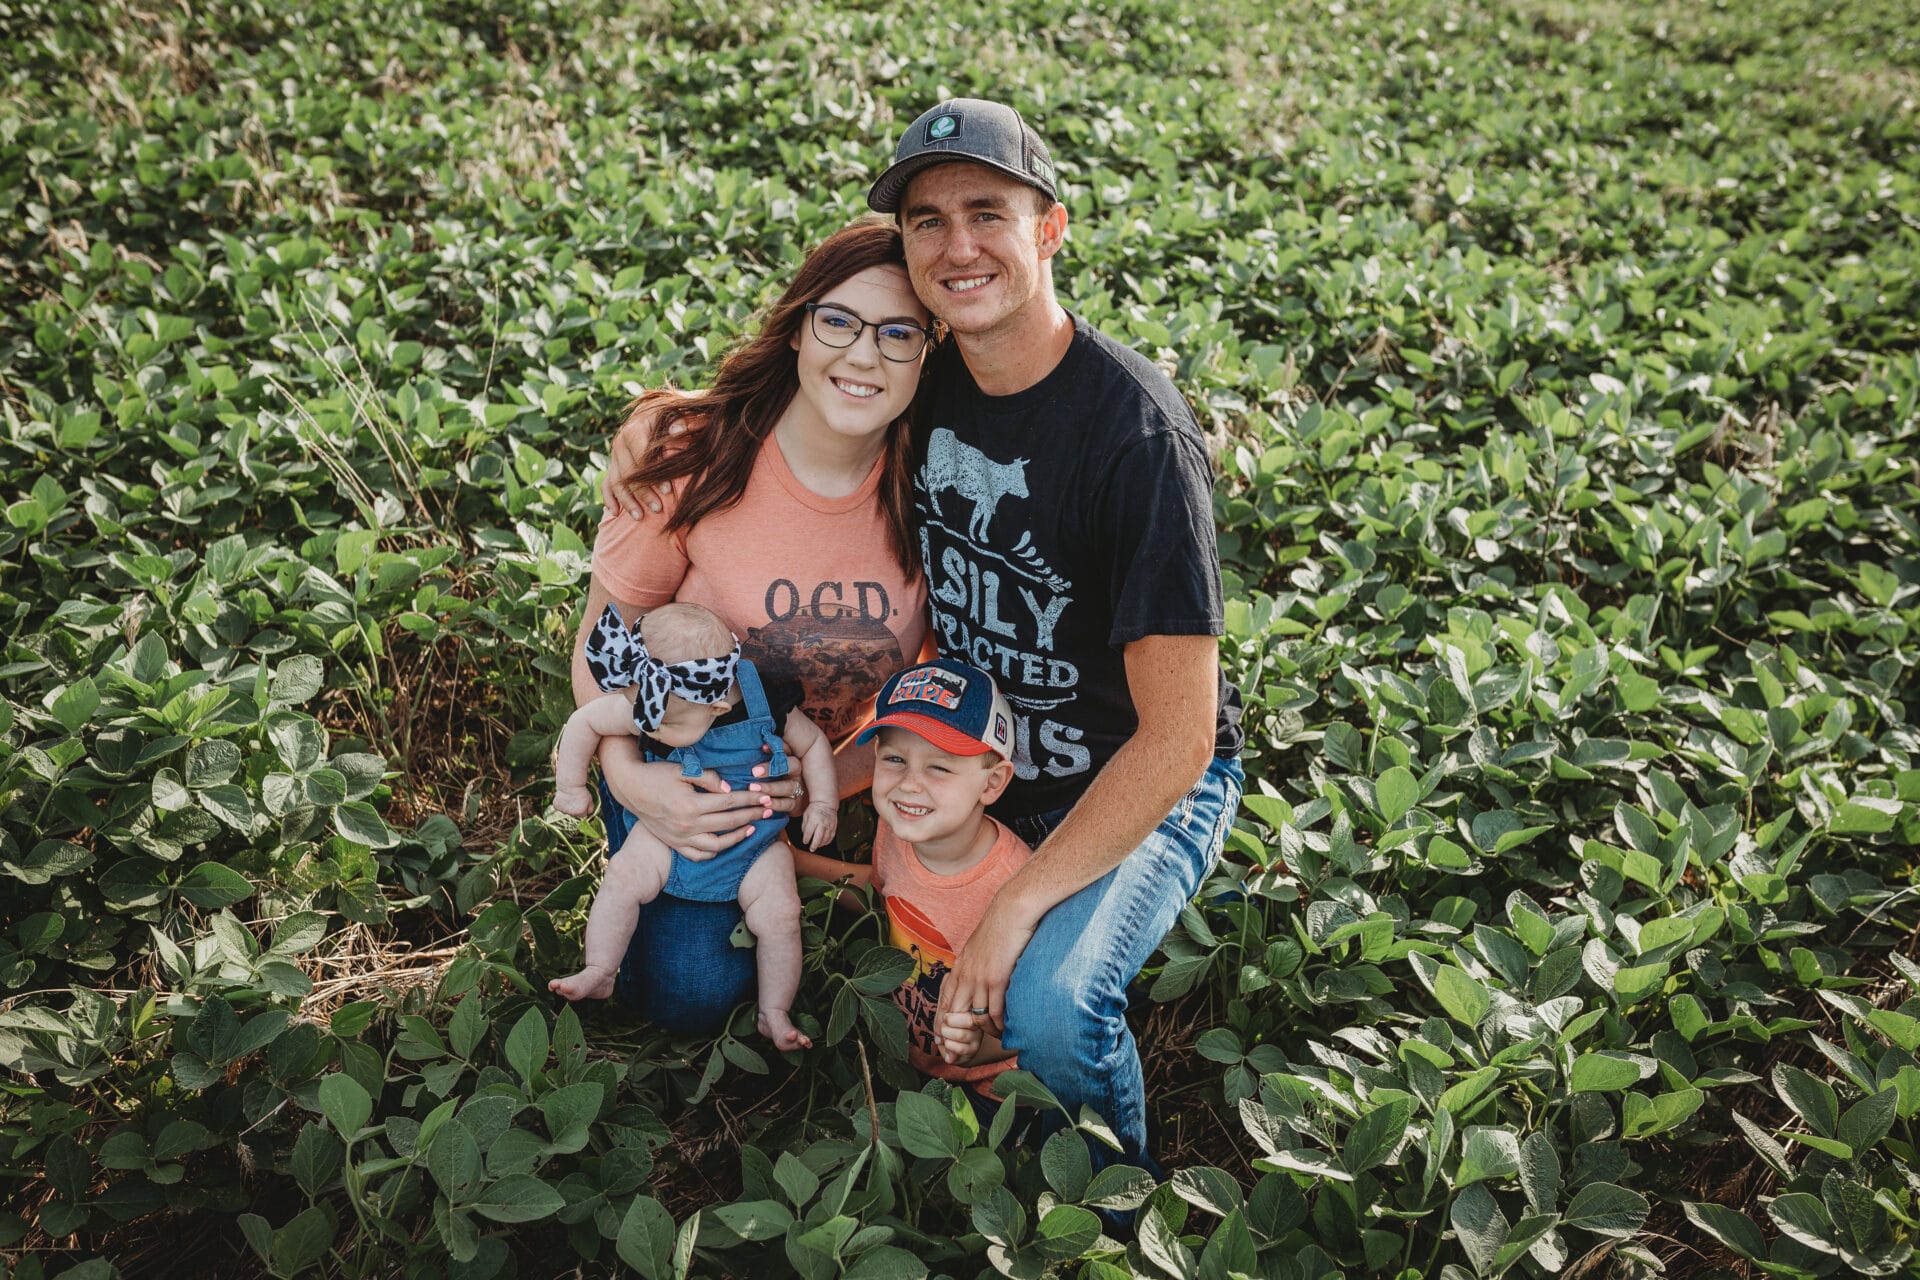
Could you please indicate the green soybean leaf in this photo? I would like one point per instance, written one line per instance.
(518, 1197)
(645, 1240)
(1396, 792)
(1730, 1227)
(1606, 1209)
(1374, 1136)
(1811, 1096)
(926, 1126)
(1464, 998)
(344, 1103)
(528, 1044)
(1603, 1073)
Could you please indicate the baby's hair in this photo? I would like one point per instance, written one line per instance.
(678, 632)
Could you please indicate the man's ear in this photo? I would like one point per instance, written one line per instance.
(999, 776)
(1053, 230)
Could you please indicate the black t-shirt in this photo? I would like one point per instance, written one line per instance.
(784, 697)
(1057, 525)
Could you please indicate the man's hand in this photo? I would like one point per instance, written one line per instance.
(985, 965)
(623, 460)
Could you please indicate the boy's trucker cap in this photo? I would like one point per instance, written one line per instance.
(950, 704)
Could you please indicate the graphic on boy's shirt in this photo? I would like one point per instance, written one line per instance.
(910, 930)
(834, 639)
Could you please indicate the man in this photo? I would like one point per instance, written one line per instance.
(1067, 534)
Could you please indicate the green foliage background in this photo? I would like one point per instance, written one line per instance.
(1563, 366)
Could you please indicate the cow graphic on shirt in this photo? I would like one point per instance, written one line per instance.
(970, 473)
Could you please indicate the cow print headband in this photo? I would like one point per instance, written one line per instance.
(617, 655)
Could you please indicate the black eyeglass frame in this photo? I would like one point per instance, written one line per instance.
(813, 310)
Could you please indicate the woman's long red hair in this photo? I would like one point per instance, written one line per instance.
(725, 425)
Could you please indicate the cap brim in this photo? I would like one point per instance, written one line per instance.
(885, 194)
(938, 732)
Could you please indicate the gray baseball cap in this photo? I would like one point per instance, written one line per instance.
(989, 133)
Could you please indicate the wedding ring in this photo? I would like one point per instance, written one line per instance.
(978, 1013)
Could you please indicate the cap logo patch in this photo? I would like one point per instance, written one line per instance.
(929, 684)
(941, 127)
(1000, 732)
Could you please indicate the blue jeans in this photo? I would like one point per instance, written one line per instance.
(1067, 1002)
(682, 970)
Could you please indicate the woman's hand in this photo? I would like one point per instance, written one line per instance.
(695, 817)
(786, 794)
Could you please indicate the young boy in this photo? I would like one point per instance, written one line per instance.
(943, 753)
(681, 685)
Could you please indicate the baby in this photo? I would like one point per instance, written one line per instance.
(942, 753)
(676, 677)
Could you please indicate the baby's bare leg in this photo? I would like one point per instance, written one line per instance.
(635, 875)
(772, 904)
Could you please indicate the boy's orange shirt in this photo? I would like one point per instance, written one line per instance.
(809, 584)
(930, 917)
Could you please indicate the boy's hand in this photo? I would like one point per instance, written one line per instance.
(820, 821)
(960, 1038)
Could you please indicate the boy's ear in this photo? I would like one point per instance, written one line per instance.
(997, 779)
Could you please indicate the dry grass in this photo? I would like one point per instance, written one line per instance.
(355, 963)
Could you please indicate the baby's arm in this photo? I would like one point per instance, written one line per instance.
(607, 716)
(805, 740)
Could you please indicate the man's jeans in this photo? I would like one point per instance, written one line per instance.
(1067, 1003)
(682, 970)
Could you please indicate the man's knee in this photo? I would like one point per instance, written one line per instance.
(1055, 1023)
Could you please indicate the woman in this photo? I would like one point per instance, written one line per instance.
(785, 506)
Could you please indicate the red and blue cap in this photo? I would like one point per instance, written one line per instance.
(952, 705)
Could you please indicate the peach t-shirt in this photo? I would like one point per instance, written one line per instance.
(809, 584)
(930, 917)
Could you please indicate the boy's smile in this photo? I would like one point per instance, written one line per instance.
(932, 799)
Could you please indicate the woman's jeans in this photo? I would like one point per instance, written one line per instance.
(682, 970)
(1067, 1002)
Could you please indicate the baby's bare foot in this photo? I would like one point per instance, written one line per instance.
(775, 1026)
(590, 983)
(577, 801)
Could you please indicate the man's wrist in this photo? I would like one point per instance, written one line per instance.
(1024, 898)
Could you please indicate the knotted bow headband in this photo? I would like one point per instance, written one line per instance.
(617, 655)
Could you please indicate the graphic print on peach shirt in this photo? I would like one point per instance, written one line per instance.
(809, 584)
(930, 917)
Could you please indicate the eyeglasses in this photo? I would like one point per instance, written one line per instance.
(897, 340)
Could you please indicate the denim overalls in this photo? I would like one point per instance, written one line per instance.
(732, 751)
